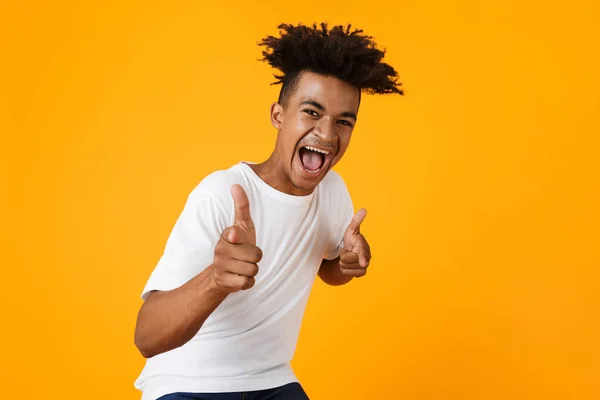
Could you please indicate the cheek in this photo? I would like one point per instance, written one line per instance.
(289, 140)
(341, 151)
(295, 131)
(303, 125)
(344, 138)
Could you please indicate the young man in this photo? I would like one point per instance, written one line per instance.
(224, 305)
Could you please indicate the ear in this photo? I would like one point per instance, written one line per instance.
(276, 115)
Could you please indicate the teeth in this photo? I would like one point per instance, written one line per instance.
(317, 150)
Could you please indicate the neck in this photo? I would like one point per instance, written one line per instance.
(273, 173)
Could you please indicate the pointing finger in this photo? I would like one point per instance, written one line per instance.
(242, 207)
(358, 218)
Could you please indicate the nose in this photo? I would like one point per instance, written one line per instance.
(325, 130)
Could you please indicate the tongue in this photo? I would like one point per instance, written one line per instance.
(311, 159)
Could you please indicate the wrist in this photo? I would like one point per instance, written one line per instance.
(206, 286)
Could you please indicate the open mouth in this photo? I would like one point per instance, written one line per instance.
(312, 158)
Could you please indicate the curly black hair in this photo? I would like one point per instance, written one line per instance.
(347, 54)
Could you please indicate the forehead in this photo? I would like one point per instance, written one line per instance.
(331, 92)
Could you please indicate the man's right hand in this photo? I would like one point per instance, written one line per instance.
(236, 254)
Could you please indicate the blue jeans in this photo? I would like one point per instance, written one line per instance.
(291, 391)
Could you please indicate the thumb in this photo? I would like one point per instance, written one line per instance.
(242, 207)
(231, 235)
(354, 226)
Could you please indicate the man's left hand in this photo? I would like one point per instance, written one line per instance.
(356, 253)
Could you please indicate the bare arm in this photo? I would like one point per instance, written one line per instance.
(169, 319)
(331, 274)
(354, 257)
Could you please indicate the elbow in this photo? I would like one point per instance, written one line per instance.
(144, 339)
(150, 345)
(143, 346)
(146, 352)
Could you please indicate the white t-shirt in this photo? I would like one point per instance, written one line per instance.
(247, 343)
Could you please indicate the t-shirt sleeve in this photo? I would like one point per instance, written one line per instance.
(190, 246)
(342, 217)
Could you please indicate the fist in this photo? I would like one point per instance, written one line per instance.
(236, 255)
(355, 256)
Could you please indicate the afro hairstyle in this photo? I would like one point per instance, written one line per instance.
(349, 55)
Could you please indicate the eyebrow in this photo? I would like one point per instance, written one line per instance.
(316, 104)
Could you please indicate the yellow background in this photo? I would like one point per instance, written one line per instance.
(482, 186)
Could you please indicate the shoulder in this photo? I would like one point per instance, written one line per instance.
(217, 184)
(333, 185)
(213, 193)
(334, 196)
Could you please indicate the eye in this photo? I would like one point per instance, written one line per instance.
(344, 122)
(311, 112)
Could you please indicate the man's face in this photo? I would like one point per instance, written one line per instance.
(314, 128)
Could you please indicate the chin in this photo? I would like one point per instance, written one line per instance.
(306, 186)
